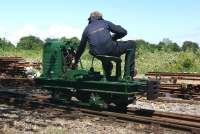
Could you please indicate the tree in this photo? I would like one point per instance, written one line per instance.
(4, 44)
(167, 45)
(30, 42)
(161, 46)
(72, 41)
(185, 61)
(143, 45)
(174, 47)
(190, 46)
(75, 41)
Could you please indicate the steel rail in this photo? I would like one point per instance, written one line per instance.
(163, 119)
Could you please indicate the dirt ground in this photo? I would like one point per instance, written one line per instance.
(15, 120)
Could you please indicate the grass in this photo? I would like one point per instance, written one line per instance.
(30, 55)
(168, 62)
(145, 60)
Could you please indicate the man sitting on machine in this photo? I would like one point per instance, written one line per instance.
(98, 35)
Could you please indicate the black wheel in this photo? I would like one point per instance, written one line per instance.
(106, 98)
(57, 96)
(54, 96)
(121, 107)
(83, 96)
(121, 104)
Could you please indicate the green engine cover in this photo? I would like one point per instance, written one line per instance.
(53, 59)
(55, 62)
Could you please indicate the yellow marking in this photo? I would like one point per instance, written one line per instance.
(97, 30)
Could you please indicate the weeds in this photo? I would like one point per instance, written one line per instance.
(145, 60)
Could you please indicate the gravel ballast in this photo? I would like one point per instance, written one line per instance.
(14, 120)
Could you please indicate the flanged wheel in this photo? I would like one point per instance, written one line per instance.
(60, 96)
(121, 103)
(83, 96)
(121, 106)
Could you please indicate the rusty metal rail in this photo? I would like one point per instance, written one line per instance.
(144, 116)
(170, 119)
(173, 74)
(175, 121)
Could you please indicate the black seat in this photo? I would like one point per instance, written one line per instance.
(117, 60)
(109, 58)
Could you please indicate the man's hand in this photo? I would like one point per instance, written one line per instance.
(114, 38)
(74, 64)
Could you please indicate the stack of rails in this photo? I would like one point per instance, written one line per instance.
(184, 85)
(13, 71)
(15, 66)
(12, 66)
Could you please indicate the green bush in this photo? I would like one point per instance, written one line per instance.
(6, 45)
(188, 61)
(190, 46)
(30, 43)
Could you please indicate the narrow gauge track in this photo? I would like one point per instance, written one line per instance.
(144, 116)
(173, 100)
(175, 77)
(16, 82)
(173, 74)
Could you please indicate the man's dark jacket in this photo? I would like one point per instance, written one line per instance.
(98, 35)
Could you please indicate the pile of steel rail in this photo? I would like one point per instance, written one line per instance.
(13, 72)
(15, 66)
(184, 85)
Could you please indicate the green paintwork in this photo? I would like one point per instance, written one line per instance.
(88, 86)
(53, 60)
(73, 75)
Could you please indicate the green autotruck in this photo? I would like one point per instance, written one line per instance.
(88, 86)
